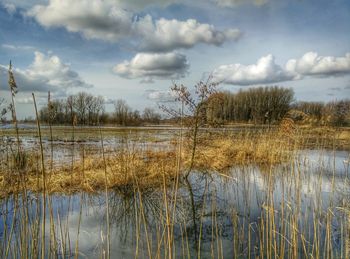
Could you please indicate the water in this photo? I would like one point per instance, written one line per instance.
(225, 212)
(20, 126)
(67, 146)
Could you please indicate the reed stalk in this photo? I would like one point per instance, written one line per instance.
(106, 191)
(43, 234)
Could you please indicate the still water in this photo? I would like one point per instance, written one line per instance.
(215, 215)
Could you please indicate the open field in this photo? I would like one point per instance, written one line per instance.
(250, 192)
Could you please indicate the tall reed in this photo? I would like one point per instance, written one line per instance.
(43, 233)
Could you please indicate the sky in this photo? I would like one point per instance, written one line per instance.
(136, 50)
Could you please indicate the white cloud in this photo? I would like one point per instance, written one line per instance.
(46, 73)
(139, 5)
(233, 3)
(161, 96)
(10, 8)
(110, 21)
(167, 35)
(311, 64)
(17, 47)
(95, 19)
(25, 100)
(108, 100)
(267, 71)
(263, 72)
(25, 82)
(149, 66)
(57, 73)
(125, 4)
(40, 99)
(19, 4)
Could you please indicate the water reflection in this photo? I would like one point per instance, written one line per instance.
(299, 208)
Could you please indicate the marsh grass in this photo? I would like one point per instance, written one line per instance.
(168, 216)
(222, 151)
(215, 152)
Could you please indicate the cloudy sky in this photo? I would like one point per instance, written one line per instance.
(135, 50)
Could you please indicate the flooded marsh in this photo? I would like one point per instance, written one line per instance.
(298, 207)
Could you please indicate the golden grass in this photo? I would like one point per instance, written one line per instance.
(325, 137)
(123, 168)
(223, 152)
(277, 232)
(215, 152)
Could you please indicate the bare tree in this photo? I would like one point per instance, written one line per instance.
(83, 106)
(80, 106)
(98, 109)
(121, 111)
(90, 107)
(195, 110)
(150, 115)
(69, 110)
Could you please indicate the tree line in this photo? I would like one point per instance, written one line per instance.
(266, 105)
(256, 105)
(124, 115)
(334, 113)
(261, 105)
(86, 109)
(82, 109)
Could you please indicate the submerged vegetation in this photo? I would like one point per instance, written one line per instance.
(276, 190)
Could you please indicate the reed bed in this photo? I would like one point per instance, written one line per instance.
(222, 151)
(128, 164)
(251, 194)
(123, 168)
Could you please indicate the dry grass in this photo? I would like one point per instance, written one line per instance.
(222, 152)
(147, 168)
(276, 232)
(215, 152)
(325, 137)
(123, 168)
